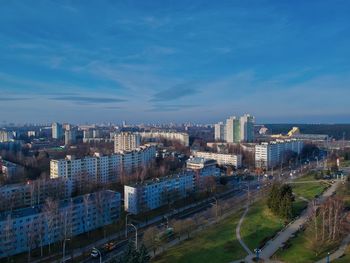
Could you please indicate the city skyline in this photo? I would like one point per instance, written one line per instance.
(174, 61)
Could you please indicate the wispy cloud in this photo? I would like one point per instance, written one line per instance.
(176, 92)
(88, 100)
(171, 107)
(4, 98)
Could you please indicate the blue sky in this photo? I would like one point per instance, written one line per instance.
(162, 61)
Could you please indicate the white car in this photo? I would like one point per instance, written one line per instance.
(94, 253)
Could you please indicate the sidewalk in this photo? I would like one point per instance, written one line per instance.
(339, 252)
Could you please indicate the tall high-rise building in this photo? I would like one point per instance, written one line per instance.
(126, 141)
(57, 130)
(247, 128)
(233, 132)
(220, 131)
(236, 130)
(70, 137)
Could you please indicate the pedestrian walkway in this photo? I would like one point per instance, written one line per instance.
(238, 232)
(339, 252)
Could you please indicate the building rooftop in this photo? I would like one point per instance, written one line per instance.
(162, 179)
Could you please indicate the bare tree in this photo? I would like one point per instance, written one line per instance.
(50, 211)
(151, 239)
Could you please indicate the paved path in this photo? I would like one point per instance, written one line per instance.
(273, 245)
(339, 252)
(238, 232)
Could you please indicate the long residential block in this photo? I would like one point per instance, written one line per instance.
(30, 228)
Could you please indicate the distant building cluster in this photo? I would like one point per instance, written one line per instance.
(236, 130)
(6, 136)
(270, 154)
(28, 228)
(182, 137)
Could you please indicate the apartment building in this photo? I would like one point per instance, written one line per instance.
(236, 129)
(126, 141)
(30, 228)
(203, 167)
(221, 158)
(32, 193)
(155, 193)
(57, 131)
(101, 169)
(9, 169)
(270, 154)
(182, 137)
(219, 132)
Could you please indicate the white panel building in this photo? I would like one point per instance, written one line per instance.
(32, 193)
(152, 194)
(270, 154)
(182, 137)
(126, 141)
(29, 228)
(101, 169)
(222, 159)
(219, 132)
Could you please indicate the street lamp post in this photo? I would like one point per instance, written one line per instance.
(99, 253)
(167, 221)
(328, 257)
(64, 249)
(257, 253)
(126, 225)
(216, 208)
(135, 233)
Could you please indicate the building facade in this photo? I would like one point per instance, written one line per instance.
(271, 154)
(247, 128)
(182, 137)
(219, 132)
(10, 169)
(70, 136)
(222, 159)
(99, 168)
(126, 141)
(236, 130)
(155, 193)
(233, 132)
(32, 193)
(57, 131)
(30, 228)
(203, 167)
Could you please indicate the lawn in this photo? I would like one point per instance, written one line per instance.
(308, 190)
(299, 250)
(259, 225)
(215, 244)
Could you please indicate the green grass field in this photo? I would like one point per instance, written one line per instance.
(300, 250)
(218, 243)
(260, 224)
(308, 190)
